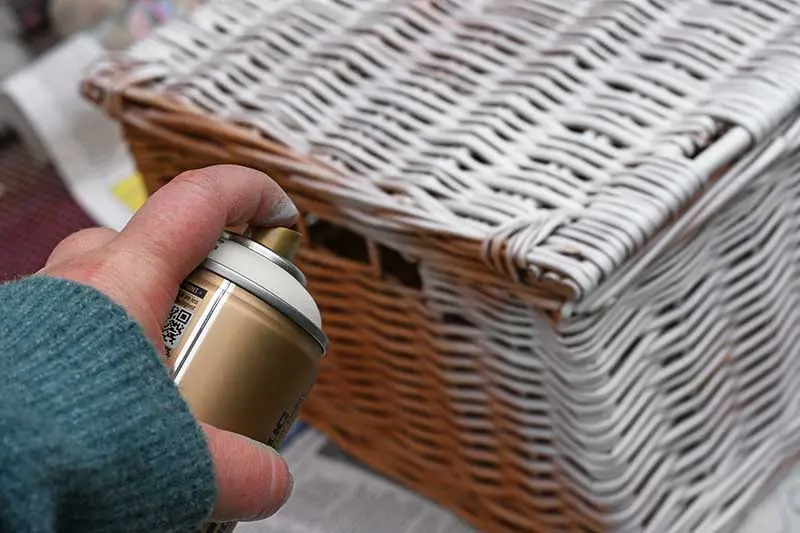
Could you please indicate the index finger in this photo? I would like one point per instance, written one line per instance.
(178, 226)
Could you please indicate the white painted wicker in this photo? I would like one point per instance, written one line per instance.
(601, 202)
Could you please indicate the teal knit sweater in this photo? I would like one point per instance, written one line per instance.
(93, 434)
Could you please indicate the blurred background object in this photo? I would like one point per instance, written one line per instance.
(63, 165)
(116, 23)
(13, 55)
(71, 16)
(28, 16)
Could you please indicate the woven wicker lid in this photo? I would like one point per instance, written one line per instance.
(554, 140)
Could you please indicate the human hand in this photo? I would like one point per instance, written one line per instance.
(141, 269)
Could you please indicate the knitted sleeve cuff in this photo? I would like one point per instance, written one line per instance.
(120, 449)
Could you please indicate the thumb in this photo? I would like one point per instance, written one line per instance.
(253, 481)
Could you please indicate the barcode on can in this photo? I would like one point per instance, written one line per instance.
(175, 326)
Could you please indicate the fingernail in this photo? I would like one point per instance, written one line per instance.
(283, 212)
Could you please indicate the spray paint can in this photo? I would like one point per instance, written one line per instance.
(243, 340)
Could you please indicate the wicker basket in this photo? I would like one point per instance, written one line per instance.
(555, 242)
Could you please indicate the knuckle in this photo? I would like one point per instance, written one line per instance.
(74, 242)
(79, 236)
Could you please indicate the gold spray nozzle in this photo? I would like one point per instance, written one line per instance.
(282, 241)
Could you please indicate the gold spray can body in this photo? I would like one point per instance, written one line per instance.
(243, 340)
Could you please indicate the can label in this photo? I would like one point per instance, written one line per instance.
(285, 422)
(226, 348)
(180, 315)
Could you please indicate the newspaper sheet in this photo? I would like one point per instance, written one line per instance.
(779, 509)
(42, 103)
(335, 494)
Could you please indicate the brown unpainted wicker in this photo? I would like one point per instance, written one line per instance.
(566, 300)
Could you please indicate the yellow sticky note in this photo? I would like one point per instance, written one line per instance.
(131, 191)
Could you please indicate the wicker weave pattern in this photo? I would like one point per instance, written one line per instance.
(667, 412)
(591, 322)
(523, 126)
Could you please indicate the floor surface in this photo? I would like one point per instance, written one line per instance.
(36, 211)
